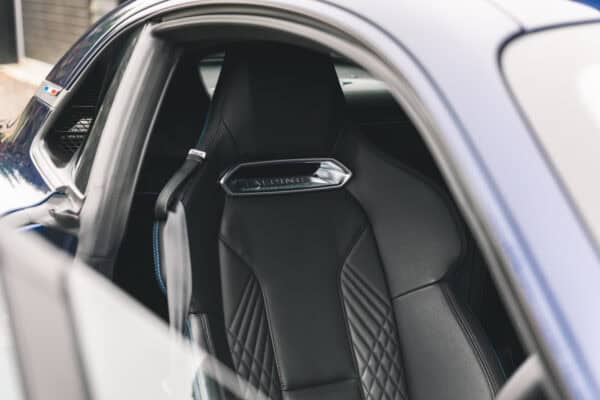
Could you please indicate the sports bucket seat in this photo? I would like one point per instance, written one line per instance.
(319, 266)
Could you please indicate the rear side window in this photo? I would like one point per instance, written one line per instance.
(555, 77)
(85, 157)
(74, 124)
(72, 128)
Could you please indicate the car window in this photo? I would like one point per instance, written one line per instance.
(555, 76)
(354, 80)
(10, 383)
(87, 152)
(66, 140)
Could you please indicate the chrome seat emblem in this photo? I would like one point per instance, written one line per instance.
(285, 176)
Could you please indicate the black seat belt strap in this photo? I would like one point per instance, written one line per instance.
(194, 159)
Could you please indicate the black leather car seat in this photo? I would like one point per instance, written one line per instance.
(326, 294)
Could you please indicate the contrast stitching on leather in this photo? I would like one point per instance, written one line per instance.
(246, 360)
(207, 338)
(443, 194)
(366, 287)
(237, 308)
(473, 342)
(417, 289)
(387, 324)
(343, 307)
(267, 311)
(242, 348)
(156, 257)
(380, 311)
(385, 273)
(383, 270)
(320, 384)
(274, 338)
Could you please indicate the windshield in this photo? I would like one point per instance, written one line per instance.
(10, 384)
(555, 77)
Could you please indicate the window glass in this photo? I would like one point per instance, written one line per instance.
(129, 353)
(87, 153)
(73, 126)
(555, 76)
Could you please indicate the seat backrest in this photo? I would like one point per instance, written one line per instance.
(323, 294)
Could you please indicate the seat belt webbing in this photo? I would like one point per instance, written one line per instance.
(194, 159)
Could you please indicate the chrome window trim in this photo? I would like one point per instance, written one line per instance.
(346, 175)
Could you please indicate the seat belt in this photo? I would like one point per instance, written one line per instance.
(174, 255)
(165, 203)
(194, 159)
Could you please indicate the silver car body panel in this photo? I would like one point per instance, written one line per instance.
(535, 14)
(447, 54)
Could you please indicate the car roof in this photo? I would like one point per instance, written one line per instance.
(534, 14)
(466, 15)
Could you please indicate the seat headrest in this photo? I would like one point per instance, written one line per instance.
(278, 101)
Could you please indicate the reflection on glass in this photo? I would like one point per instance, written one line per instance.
(129, 353)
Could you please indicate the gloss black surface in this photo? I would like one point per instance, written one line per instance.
(21, 184)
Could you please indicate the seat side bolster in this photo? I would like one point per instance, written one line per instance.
(419, 236)
(442, 350)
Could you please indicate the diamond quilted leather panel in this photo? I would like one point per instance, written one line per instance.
(374, 338)
(250, 343)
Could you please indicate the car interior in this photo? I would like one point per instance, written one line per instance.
(328, 257)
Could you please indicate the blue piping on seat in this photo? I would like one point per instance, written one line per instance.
(156, 257)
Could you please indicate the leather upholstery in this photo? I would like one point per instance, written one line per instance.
(371, 323)
(320, 230)
(325, 295)
(270, 110)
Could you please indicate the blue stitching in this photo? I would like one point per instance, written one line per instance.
(187, 333)
(37, 203)
(156, 257)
